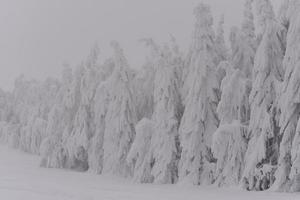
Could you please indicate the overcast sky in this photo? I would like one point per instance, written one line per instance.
(37, 36)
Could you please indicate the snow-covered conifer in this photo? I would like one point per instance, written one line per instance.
(220, 41)
(248, 27)
(101, 101)
(230, 140)
(60, 120)
(166, 116)
(287, 174)
(243, 52)
(200, 120)
(84, 122)
(268, 74)
(121, 117)
(159, 164)
(139, 154)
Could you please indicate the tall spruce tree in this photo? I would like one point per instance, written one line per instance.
(262, 153)
(200, 120)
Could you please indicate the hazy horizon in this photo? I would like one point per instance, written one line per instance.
(38, 36)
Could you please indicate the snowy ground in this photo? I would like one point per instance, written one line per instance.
(22, 179)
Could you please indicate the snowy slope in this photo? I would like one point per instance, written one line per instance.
(22, 179)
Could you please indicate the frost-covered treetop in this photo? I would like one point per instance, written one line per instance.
(248, 27)
(264, 11)
(288, 10)
(122, 67)
(154, 48)
(220, 41)
(161, 54)
(220, 30)
(67, 74)
(93, 56)
(204, 34)
(203, 14)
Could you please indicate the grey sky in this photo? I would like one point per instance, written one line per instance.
(37, 36)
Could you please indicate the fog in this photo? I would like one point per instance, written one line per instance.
(38, 36)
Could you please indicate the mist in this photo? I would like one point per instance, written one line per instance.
(38, 36)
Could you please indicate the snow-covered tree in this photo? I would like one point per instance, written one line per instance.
(230, 140)
(200, 120)
(248, 27)
(243, 43)
(287, 174)
(101, 101)
(84, 122)
(220, 41)
(203, 36)
(159, 164)
(234, 103)
(144, 82)
(243, 52)
(139, 153)
(74, 135)
(26, 110)
(229, 147)
(5, 106)
(265, 13)
(166, 116)
(264, 128)
(284, 11)
(60, 119)
(121, 117)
